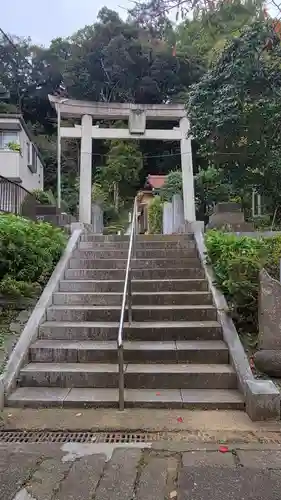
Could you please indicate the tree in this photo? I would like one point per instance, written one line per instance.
(210, 188)
(209, 30)
(235, 110)
(115, 60)
(120, 175)
(172, 185)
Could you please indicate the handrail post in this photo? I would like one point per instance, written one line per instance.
(130, 312)
(121, 377)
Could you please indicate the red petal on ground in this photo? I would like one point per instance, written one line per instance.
(223, 449)
(180, 420)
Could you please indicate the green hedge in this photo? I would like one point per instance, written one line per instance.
(28, 253)
(155, 216)
(236, 262)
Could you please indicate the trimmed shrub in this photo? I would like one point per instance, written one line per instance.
(155, 216)
(28, 253)
(236, 262)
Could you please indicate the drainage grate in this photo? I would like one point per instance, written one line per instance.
(76, 437)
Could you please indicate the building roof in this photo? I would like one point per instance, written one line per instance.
(155, 181)
(19, 117)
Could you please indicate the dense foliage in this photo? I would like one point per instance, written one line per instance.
(235, 113)
(28, 253)
(236, 262)
(155, 215)
(172, 185)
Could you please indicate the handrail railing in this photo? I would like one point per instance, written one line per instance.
(16, 200)
(126, 300)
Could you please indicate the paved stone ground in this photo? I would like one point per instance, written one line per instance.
(115, 472)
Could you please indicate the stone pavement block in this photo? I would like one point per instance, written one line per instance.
(266, 459)
(120, 474)
(82, 480)
(217, 483)
(46, 480)
(207, 459)
(154, 477)
(15, 470)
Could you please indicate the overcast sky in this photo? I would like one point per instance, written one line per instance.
(44, 20)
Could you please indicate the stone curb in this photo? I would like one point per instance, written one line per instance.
(38, 316)
(261, 396)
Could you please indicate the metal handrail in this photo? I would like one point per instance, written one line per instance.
(16, 199)
(127, 297)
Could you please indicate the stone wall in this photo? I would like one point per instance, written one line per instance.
(173, 215)
(97, 218)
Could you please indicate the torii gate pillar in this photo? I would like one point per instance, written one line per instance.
(85, 191)
(187, 172)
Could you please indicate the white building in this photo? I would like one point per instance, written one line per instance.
(20, 159)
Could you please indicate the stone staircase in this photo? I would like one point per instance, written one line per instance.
(174, 353)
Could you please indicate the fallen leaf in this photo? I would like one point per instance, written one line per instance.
(223, 449)
(180, 420)
(78, 414)
(173, 494)
(10, 415)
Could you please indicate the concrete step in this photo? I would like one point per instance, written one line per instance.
(141, 298)
(138, 274)
(136, 263)
(158, 253)
(140, 245)
(103, 286)
(137, 376)
(156, 331)
(200, 399)
(57, 351)
(140, 237)
(140, 313)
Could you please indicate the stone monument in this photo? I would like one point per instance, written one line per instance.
(268, 358)
(230, 217)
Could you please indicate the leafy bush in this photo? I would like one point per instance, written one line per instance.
(172, 185)
(236, 262)
(44, 197)
(28, 253)
(155, 215)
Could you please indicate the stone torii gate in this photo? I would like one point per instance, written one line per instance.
(137, 115)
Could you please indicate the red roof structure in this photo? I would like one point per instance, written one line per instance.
(155, 181)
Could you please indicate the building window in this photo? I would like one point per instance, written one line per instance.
(32, 158)
(7, 136)
(29, 153)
